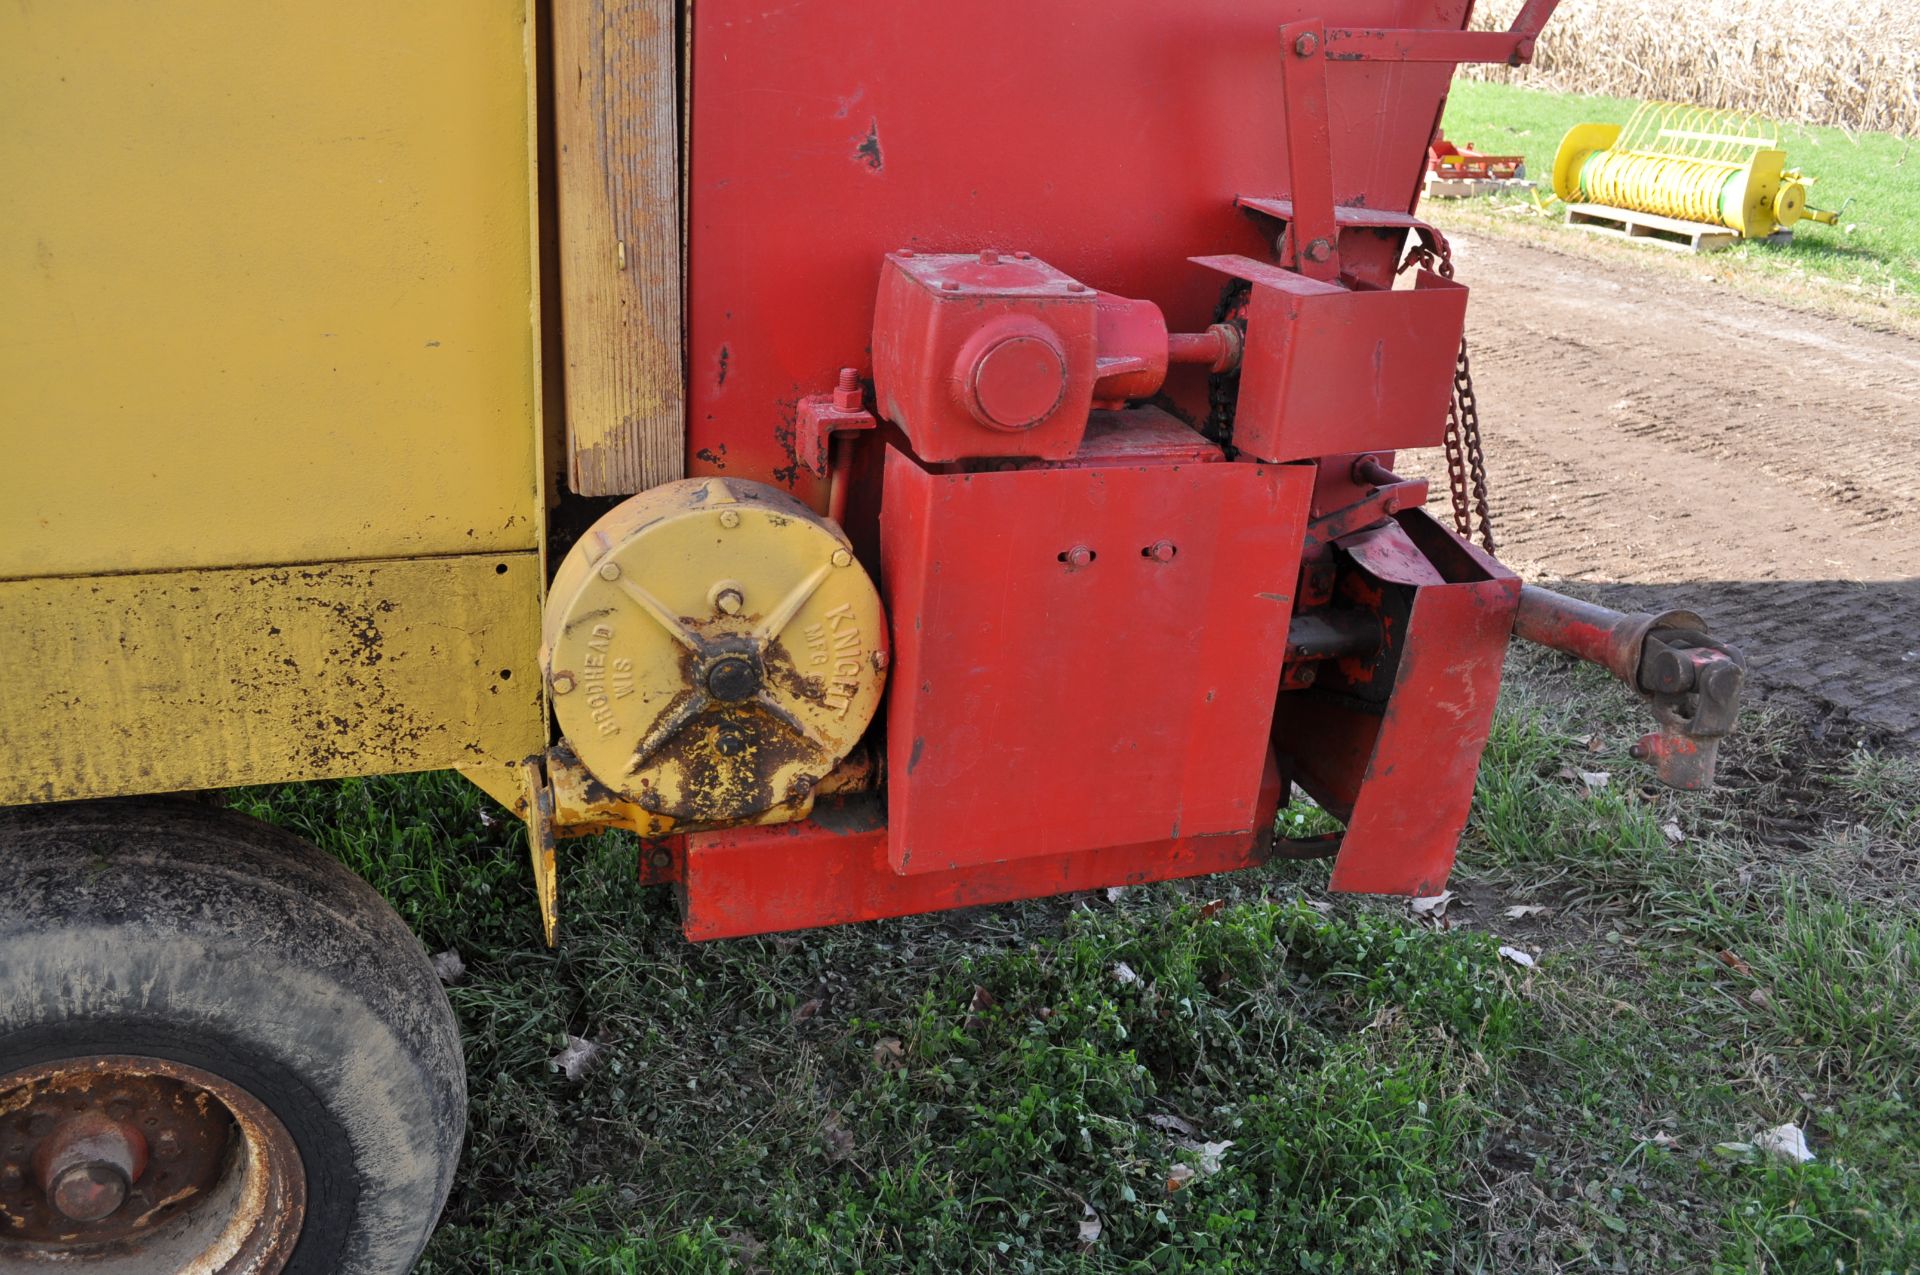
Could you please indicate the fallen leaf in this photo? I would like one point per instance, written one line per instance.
(1760, 996)
(837, 1140)
(1590, 781)
(1664, 1139)
(1595, 744)
(1786, 1141)
(1733, 962)
(449, 966)
(1671, 830)
(1179, 1175)
(1518, 957)
(982, 1001)
(1172, 1124)
(1321, 906)
(1211, 908)
(1123, 972)
(1520, 911)
(1434, 905)
(1210, 1156)
(1115, 893)
(1090, 1227)
(889, 1054)
(578, 1058)
(1735, 1149)
(801, 1013)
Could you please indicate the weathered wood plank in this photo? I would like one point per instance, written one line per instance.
(616, 118)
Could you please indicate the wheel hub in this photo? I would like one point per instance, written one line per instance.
(143, 1164)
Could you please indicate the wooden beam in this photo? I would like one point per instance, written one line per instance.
(616, 125)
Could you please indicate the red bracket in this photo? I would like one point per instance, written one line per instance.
(821, 416)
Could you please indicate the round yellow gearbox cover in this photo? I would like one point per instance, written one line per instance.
(714, 650)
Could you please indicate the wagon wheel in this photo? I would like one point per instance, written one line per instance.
(220, 1051)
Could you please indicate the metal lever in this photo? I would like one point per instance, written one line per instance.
(1689, 679)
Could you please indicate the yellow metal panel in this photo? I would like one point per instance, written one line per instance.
(173, 680)
(266, 284)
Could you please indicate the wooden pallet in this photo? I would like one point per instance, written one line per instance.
(1668, 232)
(1471, 187)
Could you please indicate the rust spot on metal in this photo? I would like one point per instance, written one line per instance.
(868, 151)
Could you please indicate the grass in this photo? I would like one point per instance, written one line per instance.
(1046, 1086)
(1871, 259)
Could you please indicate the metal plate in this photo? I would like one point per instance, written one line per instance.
(199, 679)
(266, 283)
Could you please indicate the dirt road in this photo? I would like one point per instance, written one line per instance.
(1665, 442)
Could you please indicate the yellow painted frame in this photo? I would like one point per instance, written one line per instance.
(273, 505)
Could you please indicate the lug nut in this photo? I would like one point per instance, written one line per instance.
(87, 1165)
(88, 1192)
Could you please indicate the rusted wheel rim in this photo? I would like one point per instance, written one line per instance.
(113, 1164)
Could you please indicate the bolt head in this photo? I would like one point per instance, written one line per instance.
(729, 518)
(729, 601)
(1305, 45)
(661, 859)
(879, 660)
(1079, 556)
(562, 683)
(609, 571)
(841, 558)
(88, 1192)
(1162, 551)
(730, 744)
(732, 678)
(1317, 250)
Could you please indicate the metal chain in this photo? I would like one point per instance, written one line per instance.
(1466, 462)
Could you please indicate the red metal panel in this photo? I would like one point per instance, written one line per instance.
(1108, 139)
(834, 868)
(1403, 776)
(1083, 656)
(1329, 370)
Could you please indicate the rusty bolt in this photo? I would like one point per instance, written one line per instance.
(1305, 45)
(732, 678)
(729, 518)
(841, 558)
(729, 601)
(609, 571)
(800, 787)
(1162, 551)
(87, 1165)
(1078, 556)
(88, 1192)
(562, 683)
(661, 859)
(879, 660)
(730, 744)
(1307, 675)
(1317, 250)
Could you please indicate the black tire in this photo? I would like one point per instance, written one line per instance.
(174, 930)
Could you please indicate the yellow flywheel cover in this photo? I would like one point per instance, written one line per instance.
(714, 650)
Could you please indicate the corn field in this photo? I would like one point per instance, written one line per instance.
(1855, 66)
